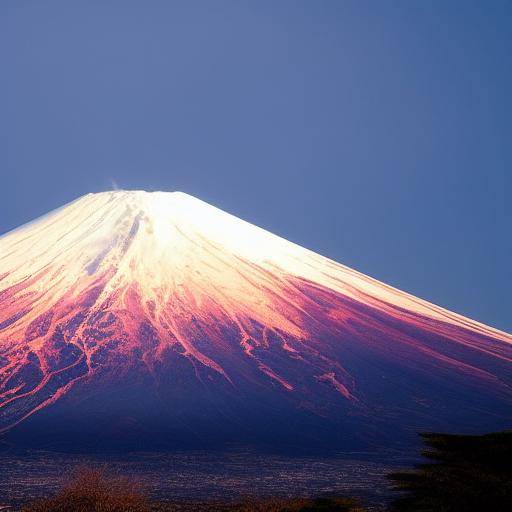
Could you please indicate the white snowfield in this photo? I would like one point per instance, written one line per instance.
(172, 244)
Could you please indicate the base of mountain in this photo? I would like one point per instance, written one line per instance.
(292, 505)
(467, 474)
(272, 505)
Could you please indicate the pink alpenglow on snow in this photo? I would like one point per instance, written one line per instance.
(154, 319)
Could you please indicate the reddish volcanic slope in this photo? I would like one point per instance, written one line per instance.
(156, 319)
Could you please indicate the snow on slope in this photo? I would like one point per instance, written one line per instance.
(110, 285)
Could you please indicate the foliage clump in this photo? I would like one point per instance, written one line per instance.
(92, 490)
(468, 474)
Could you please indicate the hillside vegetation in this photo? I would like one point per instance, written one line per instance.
(464, 474)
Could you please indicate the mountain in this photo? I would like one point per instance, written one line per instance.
(152, 319)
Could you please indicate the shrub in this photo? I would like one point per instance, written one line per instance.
(92, 490)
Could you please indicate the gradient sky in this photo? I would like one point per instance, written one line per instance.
(376, 133)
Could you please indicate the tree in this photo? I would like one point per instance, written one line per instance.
(469, 474)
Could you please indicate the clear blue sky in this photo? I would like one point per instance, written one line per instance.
(376, 133)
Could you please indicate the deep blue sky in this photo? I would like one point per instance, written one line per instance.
(376, 133)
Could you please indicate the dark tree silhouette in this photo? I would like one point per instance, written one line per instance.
(468, 474)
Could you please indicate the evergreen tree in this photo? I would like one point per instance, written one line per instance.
(467, 474)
